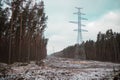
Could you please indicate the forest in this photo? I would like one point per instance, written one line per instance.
(105, 48)
(22, 26)
(23, 48)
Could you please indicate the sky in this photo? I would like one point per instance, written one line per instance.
(101, 14)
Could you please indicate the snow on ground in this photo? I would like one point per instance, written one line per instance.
(61, 69)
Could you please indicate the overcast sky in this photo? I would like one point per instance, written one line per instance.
(101, 14)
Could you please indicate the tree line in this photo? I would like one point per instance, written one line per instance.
(22, 26)
(105, 48)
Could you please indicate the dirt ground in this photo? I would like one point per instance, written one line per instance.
(55, 68)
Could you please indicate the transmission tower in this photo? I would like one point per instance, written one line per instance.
(79, 30)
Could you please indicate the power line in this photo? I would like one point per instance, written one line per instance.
(79, 30)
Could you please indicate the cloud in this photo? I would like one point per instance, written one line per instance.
(63, 35)
(100, 13)
(110, 20)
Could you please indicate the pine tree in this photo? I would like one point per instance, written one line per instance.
(25, 31)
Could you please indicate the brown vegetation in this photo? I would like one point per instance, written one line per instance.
(106, 48)
(22, 25)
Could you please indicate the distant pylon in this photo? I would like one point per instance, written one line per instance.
(79, 30)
